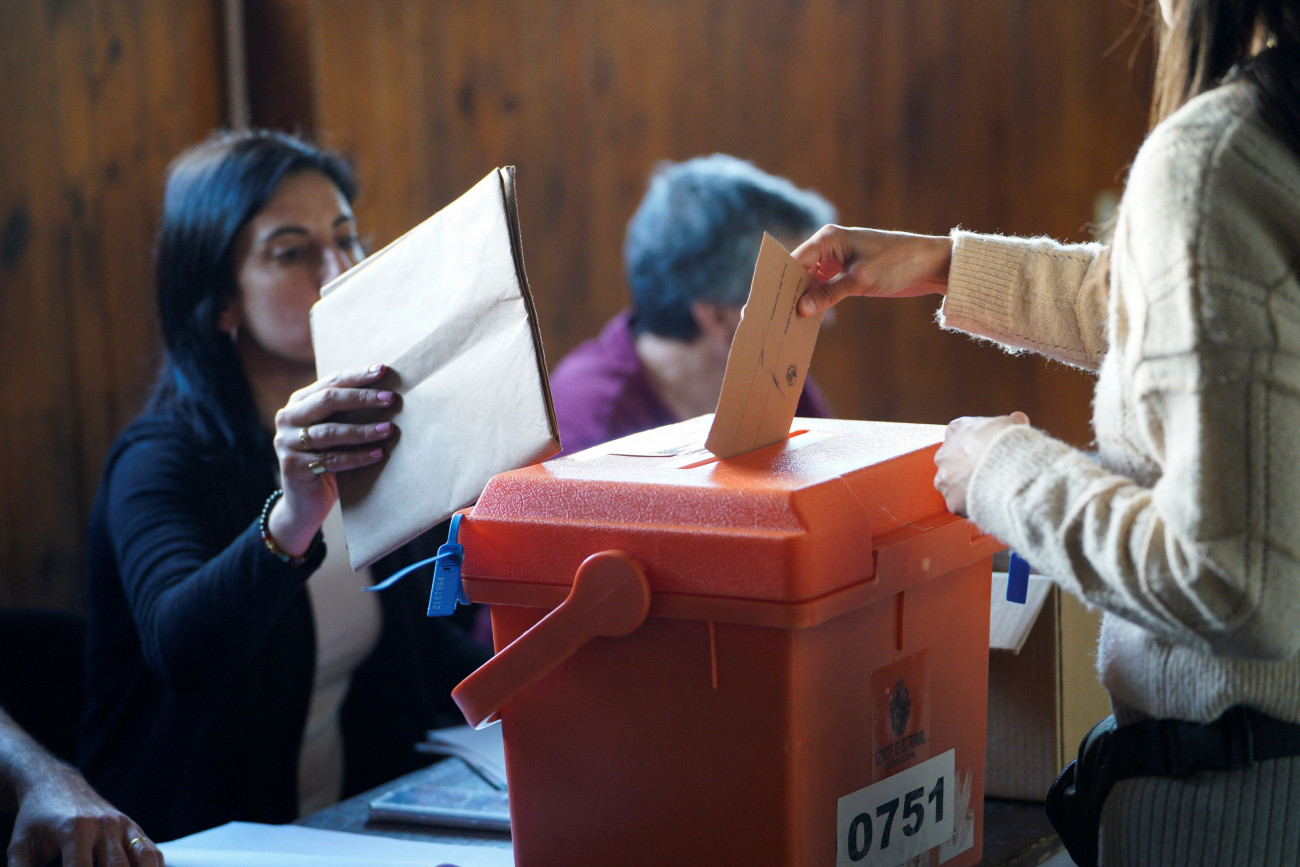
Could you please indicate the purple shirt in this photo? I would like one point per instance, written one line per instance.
(602, 392)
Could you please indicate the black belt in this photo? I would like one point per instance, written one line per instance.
(1157, 748)
(1175, 748)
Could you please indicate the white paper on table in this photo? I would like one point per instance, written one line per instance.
(484, 750)
(247, 844)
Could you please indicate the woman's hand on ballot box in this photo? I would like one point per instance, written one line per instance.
(965, 442)
(311, 446)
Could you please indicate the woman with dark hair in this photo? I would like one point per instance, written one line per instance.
(1185, 530)
(234, 668)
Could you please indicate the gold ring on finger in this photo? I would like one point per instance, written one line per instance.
(302, 438)
(317, 466)
(130, 844)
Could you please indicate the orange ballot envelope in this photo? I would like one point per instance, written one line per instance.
(769, 358)
(448, 309)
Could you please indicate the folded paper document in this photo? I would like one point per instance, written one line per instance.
(448, 309)
(769, 358)
(483, 750)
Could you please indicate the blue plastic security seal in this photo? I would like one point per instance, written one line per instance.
(1017, 579)
(447, 591)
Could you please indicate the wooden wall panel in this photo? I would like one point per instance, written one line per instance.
(95, 98)
(997, 115)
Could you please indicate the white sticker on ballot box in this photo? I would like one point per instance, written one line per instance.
(899, 817)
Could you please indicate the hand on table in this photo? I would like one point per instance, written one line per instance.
(60, 814)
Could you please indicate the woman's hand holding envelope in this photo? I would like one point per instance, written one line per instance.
(312, 444)
(871, 262)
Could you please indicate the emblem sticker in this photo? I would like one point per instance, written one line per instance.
(900, 695)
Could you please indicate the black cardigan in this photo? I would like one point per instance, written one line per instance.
(201, 648)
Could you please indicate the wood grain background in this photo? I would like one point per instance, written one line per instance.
(1014, 116)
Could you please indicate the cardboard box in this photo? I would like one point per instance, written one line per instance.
(1044, 694)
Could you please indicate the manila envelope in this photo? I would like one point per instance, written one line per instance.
(769, 357)
(448, 309)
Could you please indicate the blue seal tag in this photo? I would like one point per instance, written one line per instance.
(1017, 579)
(447, 590)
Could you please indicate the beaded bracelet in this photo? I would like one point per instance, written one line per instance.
(269, 540)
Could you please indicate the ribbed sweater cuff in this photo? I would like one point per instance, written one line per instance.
(1015, 459)
(982, 282)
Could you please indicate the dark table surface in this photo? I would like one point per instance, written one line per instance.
(1016, 833)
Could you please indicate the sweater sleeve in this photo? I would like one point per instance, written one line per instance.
(1030, 293)
(202, 604)
(1205, 554)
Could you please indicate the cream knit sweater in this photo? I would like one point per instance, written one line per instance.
(1187, 530)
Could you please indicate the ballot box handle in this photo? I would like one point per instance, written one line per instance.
(610, 596)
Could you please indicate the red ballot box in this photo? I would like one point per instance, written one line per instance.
(779, 658)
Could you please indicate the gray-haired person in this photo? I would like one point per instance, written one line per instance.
(689, 256)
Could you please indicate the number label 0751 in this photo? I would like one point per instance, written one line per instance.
(899, 817)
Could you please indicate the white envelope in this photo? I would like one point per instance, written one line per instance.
(448, 309)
